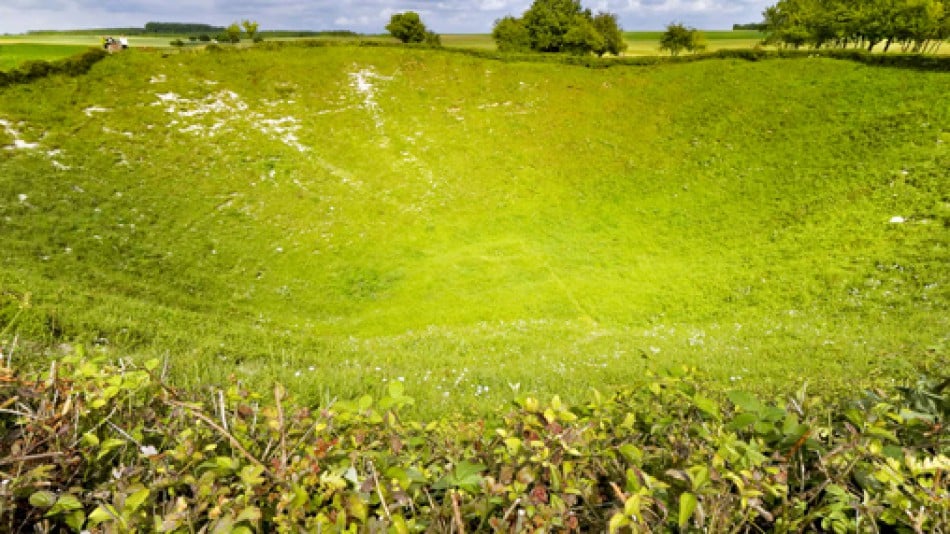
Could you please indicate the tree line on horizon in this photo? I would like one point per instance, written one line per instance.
(918, 26)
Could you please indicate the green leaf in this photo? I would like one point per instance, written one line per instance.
(251, 514)
(134, 501)
(688, 504)
(251, 475)
(364, 403)
(466, 470)
(75, 520)
(746, 401)
(42, 499)
(699, 476)
(617, 522)
(465, 476)
(101, 515)
(226, 462)
(882, 433)
(707, 406)
(108, 446)
(790, 424)
(89, 439)
(66, 502)
(152, 364)
(399, 524)
(742, 421)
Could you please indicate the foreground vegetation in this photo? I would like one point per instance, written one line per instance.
(89, 445)
(478, 230)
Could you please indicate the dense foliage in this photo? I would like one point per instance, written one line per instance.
(916, 25)
(250, 28)
(511, 35)
(179, 27)
(407, 27)
(560, 26)
(104, 447)
(677, 38)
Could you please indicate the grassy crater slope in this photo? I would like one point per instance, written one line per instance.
(339, 218)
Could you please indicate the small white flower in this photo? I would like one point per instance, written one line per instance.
(148, 450)
(22, 197)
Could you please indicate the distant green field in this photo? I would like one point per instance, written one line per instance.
(82, 40)
(479, 229)
(639, 43)
(13, 55)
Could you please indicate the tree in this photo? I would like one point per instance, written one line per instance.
(606, 24)
(233, 33)
(918, 25)
(582, 38)
(407, 27)
(559, 26)
(511, 35)
(250, 28)
(677, 38)
(548, 21)
(433, 39)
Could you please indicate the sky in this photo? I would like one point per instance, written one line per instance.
(363, 16)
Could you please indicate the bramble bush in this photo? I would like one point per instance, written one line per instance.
(109, 446)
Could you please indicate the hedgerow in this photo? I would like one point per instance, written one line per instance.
(108, 446)
(921, 62)
(71, 66)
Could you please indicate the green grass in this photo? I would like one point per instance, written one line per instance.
(641, 43)
(14, 55)
(482, 229)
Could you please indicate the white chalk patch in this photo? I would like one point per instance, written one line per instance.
(363, 82)
(897, 219)
(168, 97)
(91, 110)
(17, 142)
(21, 144)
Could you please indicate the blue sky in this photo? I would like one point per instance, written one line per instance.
(365, 16)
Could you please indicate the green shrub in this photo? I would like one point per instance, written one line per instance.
(94, 445)
(34, 70)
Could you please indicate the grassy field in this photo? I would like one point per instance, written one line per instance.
(13, 55)
(641, 43)
(479, 229)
